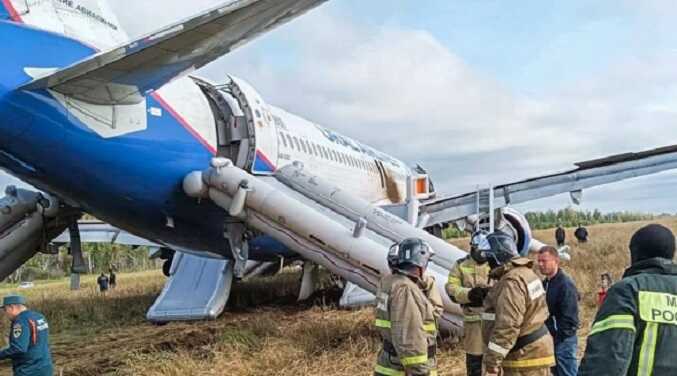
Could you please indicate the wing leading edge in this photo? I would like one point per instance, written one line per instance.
(125, 74)
(586, 175)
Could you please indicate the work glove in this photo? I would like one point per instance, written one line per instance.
(476, 296)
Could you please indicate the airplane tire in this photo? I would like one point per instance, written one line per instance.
(167, 266)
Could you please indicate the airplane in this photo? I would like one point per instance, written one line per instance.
(124, 131)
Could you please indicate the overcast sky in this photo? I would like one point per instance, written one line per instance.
(477, 91)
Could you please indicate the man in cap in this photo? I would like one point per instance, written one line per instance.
(468, 285)
(28, 339)
(408, 306)
(635, 331)
(518, 343)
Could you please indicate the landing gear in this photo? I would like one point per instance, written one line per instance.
(167, 267)
(78, 265)
(167, 255)
(236, 233)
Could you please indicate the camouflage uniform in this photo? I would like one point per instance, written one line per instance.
(514, 308)
(406, 318)
(464, 275)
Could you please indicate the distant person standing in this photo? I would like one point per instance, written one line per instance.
(635, 331)
(560, 235)
(28, 339)
(581, 234)
(103, 282)
(604, 285)
(561, 296)
(112, 278)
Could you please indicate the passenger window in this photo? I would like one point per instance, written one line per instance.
(284, 141)
(296, 142)
(303, 146)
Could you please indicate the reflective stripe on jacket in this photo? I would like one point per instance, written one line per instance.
(406, 318)
(635, 331)
(464, 275)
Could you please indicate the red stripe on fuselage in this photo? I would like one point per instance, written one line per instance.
(17, 18)
(13, 14)
(183, 122)
(266, 160)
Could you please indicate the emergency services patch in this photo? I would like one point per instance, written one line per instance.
(536, 290)
(17, 330)
(658, 307)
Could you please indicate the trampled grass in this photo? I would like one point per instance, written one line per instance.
(263, 331)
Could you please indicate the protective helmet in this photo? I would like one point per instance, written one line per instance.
(477, 238)
(498, 248)
(409, 252)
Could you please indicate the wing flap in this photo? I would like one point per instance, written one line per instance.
(125, 74)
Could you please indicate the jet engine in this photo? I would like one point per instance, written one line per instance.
(28, 221)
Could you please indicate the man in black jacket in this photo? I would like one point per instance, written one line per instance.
(560, 235)
(562, 298)
(581, 234)
(635, 331)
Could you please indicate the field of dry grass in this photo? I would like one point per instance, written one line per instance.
(263, 330)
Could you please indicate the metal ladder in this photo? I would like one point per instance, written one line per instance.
(484, 204)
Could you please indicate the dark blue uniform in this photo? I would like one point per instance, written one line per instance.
(29, 345)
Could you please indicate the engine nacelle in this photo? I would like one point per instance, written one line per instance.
(27, 221)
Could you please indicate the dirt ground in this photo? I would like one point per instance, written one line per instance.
(263, 330)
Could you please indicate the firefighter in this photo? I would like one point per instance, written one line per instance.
(518, 342)
(635, 331)
(468, 285)
(408, 306)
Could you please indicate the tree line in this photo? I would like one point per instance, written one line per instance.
(569, 217)
(99, 257)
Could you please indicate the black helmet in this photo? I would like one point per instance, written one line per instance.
(498, 248)
(409, 252)
(477, 238)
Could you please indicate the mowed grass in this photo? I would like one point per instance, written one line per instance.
(263, 331)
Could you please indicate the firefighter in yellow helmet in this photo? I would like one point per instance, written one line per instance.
(468, 285)
(518, 343)
(408, 306)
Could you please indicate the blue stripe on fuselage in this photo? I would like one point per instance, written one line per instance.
(132, 181)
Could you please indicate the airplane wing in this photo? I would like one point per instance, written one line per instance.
(100, 232)
(124, 74)
(586, 174)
